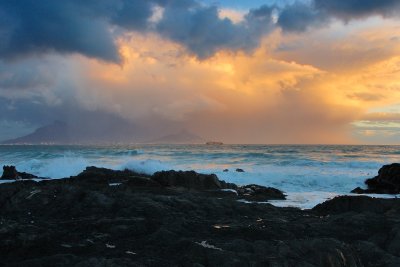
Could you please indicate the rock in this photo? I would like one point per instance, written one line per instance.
(173, 179)
(11, 173)
(320, 252)
(222, 193)
(68, 222)
(358, 190)
(393, 244)
(188, 179)
(371, 254)
(239, 170)
(24, 175)
(259, 193)
(137, 181)
(104, 176)
(386, 182)
(344, 204)
(226, 170)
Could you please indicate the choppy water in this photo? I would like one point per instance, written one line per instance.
(308, 174)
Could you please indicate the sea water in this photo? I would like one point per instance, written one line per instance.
(308, 174)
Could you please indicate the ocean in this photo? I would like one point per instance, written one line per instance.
(308, 174)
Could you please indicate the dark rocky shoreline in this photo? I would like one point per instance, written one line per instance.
(120, 218)
(386, 182)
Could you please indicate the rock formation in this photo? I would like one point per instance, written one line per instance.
(11, 173)
(386, 182)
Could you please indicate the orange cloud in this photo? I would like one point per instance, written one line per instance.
(271, 96)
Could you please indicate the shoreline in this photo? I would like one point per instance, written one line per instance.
(293, 199)
(83, 221)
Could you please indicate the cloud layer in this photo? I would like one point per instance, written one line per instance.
(302, 72)
(349, 9)
(301, 16)
(90, 27)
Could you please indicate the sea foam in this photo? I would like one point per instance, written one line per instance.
(307, 174)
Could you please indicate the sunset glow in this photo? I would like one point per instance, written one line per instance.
(333, 81)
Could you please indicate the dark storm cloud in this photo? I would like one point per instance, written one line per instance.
(301, 16)
(73, 26)
(37, 27)
(349, 9)
(203, 32)
(61, 26)
(133, 14)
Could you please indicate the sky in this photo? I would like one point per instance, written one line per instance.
(261, 71)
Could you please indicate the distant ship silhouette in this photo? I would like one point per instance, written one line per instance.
(214, 143)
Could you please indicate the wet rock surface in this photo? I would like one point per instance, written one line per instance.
(386, 182)
(190, 180)
(127, 219)
(259, 193)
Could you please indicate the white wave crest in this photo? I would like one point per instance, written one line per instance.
(148, 166)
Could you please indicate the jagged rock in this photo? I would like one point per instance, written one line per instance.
(358, 190)
(386, 182)
(239, 170)
(102, 175)
(188, 179)
(259, 193)
(25, 175)
(11, 173)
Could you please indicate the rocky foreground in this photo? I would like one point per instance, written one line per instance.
(120, 218)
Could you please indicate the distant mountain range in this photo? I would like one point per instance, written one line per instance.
(90, 133)
(98, 132)
(54, 133)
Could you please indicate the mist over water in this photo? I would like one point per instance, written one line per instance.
(308, 174)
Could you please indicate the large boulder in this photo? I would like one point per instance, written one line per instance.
(189, 180)
(104, 176)
(386, 182)
(9, 173)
